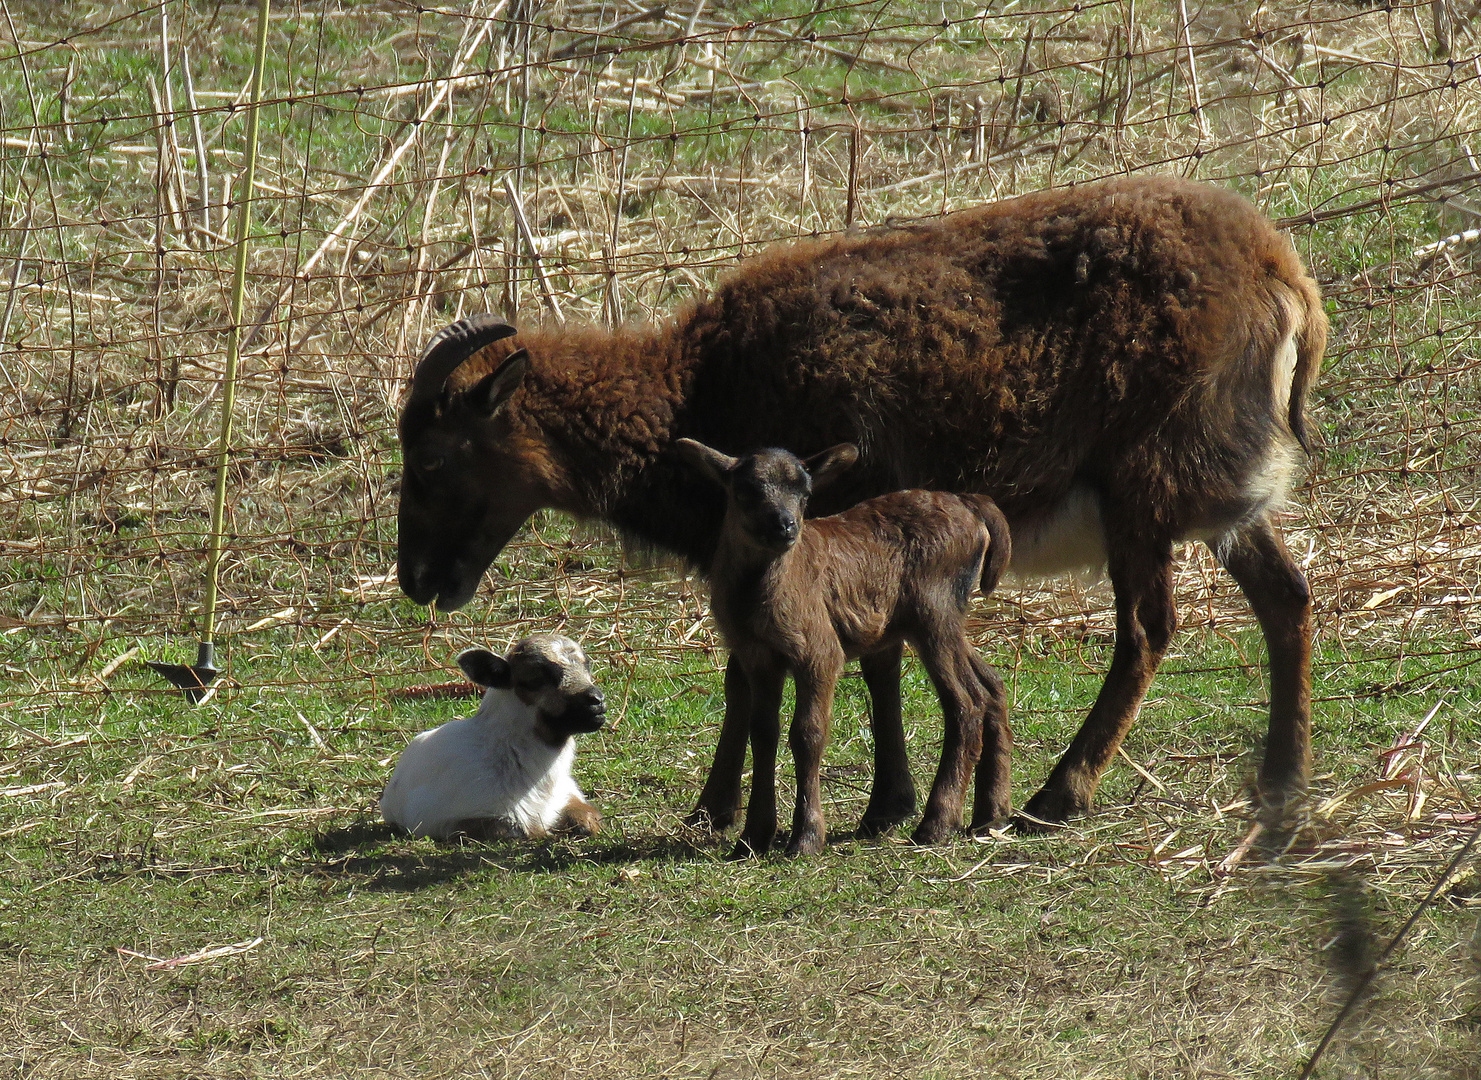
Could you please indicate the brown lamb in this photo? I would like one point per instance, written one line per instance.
(798, 598)
(1121, 366)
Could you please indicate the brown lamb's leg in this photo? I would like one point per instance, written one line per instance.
(719, 801)
(946, 655)
(766, 682)
(579, 818)
(1141, 576)
(892, 796)
(1256, 558)
(994, 798)
(815, 685)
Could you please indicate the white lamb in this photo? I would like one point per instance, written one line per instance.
(506, 770)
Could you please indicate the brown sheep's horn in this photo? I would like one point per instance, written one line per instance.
(450, 347)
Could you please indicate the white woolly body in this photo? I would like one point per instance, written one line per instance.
(489, 765)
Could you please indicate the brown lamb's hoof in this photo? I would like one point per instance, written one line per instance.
(992, 824)
(747, 849)
(870, 827)
(878, 820)
(929, 833)
(705, 820)
(807, 844)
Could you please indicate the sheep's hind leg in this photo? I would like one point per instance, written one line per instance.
(1141, 577)
(994, 797)
(947, 658)
(892, 796)
(1256, 558)
(719, 801)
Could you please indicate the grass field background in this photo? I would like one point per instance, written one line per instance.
(652, 149)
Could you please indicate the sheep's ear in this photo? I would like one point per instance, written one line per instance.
(486, 669)
(826, 466)
(712, 463)
(493, 390)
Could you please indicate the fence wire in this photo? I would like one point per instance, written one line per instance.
(649, 149)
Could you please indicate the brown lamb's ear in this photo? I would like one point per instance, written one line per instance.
(827, 465)
(712, 463)
(485, 668)
(492, 391)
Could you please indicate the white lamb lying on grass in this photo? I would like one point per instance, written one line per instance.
(506, 770)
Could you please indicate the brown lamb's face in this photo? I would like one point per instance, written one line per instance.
(769, 489)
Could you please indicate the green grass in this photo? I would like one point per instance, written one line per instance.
(642, 952)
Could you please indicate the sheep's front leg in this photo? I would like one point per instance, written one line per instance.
(719, 801)
(815, 684)
(892, 797)
(766, 681)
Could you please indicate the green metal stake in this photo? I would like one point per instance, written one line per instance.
(194, 678)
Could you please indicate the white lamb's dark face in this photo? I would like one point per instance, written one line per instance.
(551, 673)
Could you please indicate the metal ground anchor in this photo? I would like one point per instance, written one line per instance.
(192, 679)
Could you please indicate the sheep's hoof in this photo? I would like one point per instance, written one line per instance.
(870, 828)
(742, 851)
(707, 820)
(930, 832)
(1048, 811)
(996, 822)
(807, 844)
(878, 820)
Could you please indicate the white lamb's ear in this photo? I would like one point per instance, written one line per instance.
(827, 465)
(486, 669)
(712, 463)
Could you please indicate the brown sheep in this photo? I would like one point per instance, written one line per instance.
(798, 598)
(1121, 366)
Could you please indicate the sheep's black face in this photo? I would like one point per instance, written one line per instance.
(465, 492)
(551, 673)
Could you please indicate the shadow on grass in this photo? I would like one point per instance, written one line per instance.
(358, 852)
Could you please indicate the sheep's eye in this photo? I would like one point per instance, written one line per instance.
(431, 463)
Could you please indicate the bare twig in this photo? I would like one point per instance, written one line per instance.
(202, 169)
(529, 238)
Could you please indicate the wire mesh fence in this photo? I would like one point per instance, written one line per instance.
(605, 162)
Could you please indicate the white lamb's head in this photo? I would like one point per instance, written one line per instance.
(551, 674)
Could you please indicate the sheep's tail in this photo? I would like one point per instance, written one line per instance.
(1000, 550)
(1309, 327)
